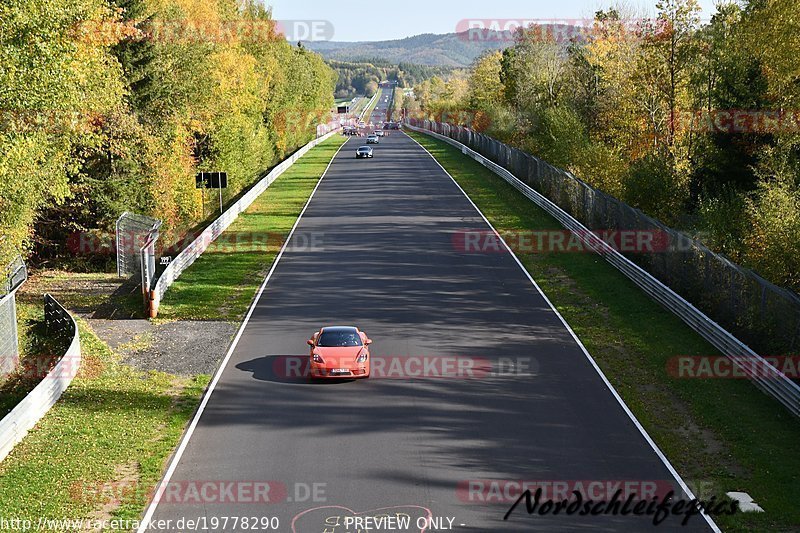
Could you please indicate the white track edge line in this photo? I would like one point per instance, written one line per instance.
(616, 395)
(151, 509)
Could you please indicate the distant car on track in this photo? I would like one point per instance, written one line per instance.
(364, 151)
(379, 133)
(373, 139)
(339, 352)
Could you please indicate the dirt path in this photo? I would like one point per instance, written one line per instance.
(113, 309)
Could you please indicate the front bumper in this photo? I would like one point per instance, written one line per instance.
(354, 372)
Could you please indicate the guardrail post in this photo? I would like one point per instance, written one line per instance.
(152, 307)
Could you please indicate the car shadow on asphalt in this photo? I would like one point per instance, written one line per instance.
(290, 369)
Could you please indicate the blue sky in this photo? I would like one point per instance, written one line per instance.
(363, 20)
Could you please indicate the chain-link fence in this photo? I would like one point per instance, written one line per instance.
(9, 350)
(136, 248)
(133, 233)
(13, 276)
(759, 313)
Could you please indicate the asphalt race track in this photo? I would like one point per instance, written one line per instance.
(378, 248)
(379, 114)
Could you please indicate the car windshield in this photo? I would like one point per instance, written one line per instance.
(364, 149)
(339, 338)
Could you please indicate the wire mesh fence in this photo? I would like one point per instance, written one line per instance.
(132, 233)
(58, 321)
(759, 313)
(9, 350)
(13, 276)
(136, 237)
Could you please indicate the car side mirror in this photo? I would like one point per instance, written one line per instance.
(368, 342)
(310, 342)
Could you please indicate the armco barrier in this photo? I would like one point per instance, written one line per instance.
(35, 405)
(185, 259)
(368, 106)
(760, 372)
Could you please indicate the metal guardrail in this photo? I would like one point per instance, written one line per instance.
(16, 424)
(765, 376)
(369, 105)
(188, 256)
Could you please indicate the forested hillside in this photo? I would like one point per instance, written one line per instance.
(449, 50)
(115, 105)
(696, 124)
(363, 78)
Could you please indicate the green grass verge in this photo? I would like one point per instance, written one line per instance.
(100, 449)
(221, 283)
(720, 434)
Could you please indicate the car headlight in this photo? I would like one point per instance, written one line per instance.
(317, 358)
(362, 357)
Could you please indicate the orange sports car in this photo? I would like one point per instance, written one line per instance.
(339, 352)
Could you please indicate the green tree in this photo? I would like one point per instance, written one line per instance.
(53, 86)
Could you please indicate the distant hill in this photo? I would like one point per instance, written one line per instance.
(449, 50)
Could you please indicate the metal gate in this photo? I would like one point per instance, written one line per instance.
(136, 248)
(14, 276)
(133, 232)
